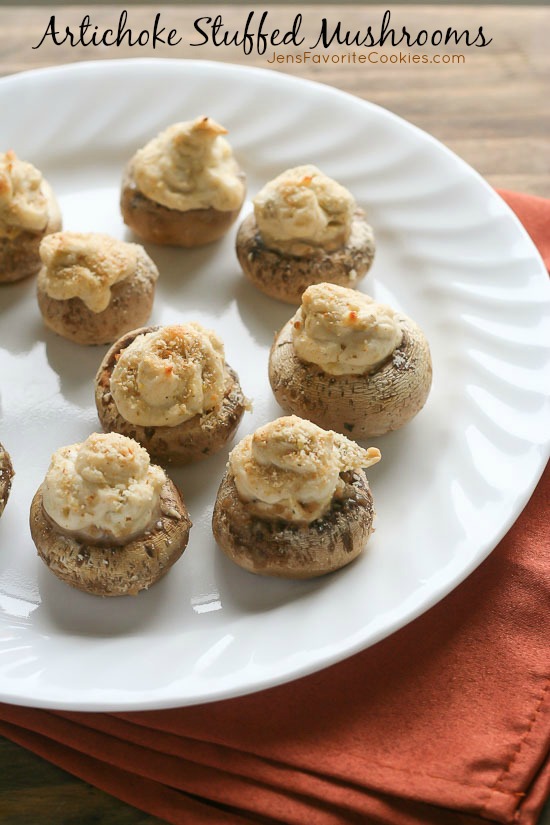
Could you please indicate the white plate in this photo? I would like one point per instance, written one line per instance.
(450, 254)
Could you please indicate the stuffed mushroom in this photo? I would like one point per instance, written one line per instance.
(295, 501)
(184, 188)
(28, 212)
(6, 475)
(305, 229)
(93, 288)
(171, 389)
(351, 364)
(107, 521)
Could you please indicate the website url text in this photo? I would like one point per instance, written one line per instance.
(371, 57)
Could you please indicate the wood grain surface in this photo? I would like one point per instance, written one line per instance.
(493, 110)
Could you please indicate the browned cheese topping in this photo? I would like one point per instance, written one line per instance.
(105, 487)
(166, 377)
(23, 203)
(86, 265)
(190, 166)
(344, 331)
(290, 469)
(303, 208)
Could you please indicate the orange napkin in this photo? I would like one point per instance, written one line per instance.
(447, 722)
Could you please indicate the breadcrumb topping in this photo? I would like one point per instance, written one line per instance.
(86, 265)
(6, 475)
(23, 203)
(344, 331)
(190, 166)
(103, 489)
(290, 469)
(166, 377)
(301, 208)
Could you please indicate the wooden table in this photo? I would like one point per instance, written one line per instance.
(493, 110)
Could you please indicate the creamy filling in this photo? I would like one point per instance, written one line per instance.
(190, 166)
(103, 490)
(23, 203)
(290, 469)
(85, 265)
(166, 377)
(343, 331)
(303, 208)
(6, 474)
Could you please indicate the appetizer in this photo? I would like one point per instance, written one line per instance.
(184, 188)
(92, 288)
(305, 229)
(351, 364)
(107, 521)
(171, 389)
(28, 212)
(295, 501)
(6, 475)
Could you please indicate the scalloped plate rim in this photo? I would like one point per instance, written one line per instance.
(437, 593)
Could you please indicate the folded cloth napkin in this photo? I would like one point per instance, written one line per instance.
(447, 722)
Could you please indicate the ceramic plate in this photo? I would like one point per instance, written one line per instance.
(450, 254)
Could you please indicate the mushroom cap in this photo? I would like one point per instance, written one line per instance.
(193, 440)
(6, 475)
(359, 406)
(130, 306)
(286, 277)
(19, 257)
(293, 551)
(159, 224)
(114, 570)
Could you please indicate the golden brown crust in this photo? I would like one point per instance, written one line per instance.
(159, 224)
(114, 570)
(130, 306)
(286, 277)
(6, 475)
(19, 256)
(201, 436)
(359, 406)
(285, 550)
